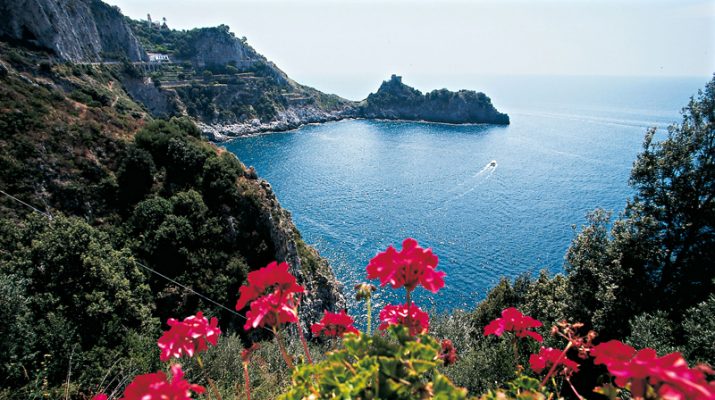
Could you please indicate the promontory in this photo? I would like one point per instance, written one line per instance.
(212, 76)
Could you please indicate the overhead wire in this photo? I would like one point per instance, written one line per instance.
(151, 270)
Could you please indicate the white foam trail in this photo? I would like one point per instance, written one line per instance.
(480, 176)
(487, 173)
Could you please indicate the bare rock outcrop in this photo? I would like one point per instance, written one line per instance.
(323, 290)
(395, 100)
(74, 30)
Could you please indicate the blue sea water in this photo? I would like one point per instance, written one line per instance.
(491, 201)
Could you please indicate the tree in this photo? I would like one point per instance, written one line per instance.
(68, 294)
(700, 332)
(658, 254)
(675, 203)
(135, 176)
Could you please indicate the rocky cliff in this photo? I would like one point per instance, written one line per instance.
(395, 100)
(67, 146)
(74, 30)
(312, 271)
(215, 77)
(219, 46)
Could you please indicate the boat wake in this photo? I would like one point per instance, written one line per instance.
(472, 183)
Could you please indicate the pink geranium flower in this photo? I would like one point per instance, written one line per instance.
(416, 320)
(100, 396)
(547, 357)
(334, 325)
(669, 375)
(156, 387)
(273, 310)
(512, 320)
(613, 352)
(273, 277)
(409, 267)
(188, 336)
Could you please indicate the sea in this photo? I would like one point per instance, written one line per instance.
(491, 201)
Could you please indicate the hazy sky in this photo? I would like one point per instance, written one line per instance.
(318, 40)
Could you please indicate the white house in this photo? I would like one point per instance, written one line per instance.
(158, 57)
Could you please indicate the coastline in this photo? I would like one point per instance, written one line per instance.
(287, 121)
(216, 133)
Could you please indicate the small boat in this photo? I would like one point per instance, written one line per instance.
(493, 163)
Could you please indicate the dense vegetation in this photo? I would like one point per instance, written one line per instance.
(124, 191)
(121, 192)
(179, 43)
(646, 277)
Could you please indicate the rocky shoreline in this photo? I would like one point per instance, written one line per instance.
(224, 133)
(292, 118)
(394, 101)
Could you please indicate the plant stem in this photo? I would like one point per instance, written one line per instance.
(409, 303)
(515, 346)
(247, 380)
(369, 314)
(281, 346)
(304, 342)
(574, 389)
(556, 363)
(211, 382)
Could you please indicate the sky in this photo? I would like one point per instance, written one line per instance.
(324, 42)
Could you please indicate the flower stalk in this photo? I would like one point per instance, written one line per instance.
(247, 381)
(369, 315)
(556, 364)
(304, 342)
(282, 347)
(214, 389)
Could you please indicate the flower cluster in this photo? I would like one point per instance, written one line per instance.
(448, 354)
(273, 310)
(156, 386)
(188, 336)
(416, 320)
(512, 320)
(334, 325)
(409, 267)
(669, 375)
(271, 291)
(548, 357)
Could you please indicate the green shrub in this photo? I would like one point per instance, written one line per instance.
(395, 366)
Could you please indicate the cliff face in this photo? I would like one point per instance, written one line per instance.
(218, 46)
(75, 30)
(323, 291)
(395, 100)
(67, 148)
(214, 77)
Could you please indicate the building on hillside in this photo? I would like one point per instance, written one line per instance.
(158, 58)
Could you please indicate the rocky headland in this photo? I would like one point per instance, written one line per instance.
(395, 100)
(107, 64)
(213, 76)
